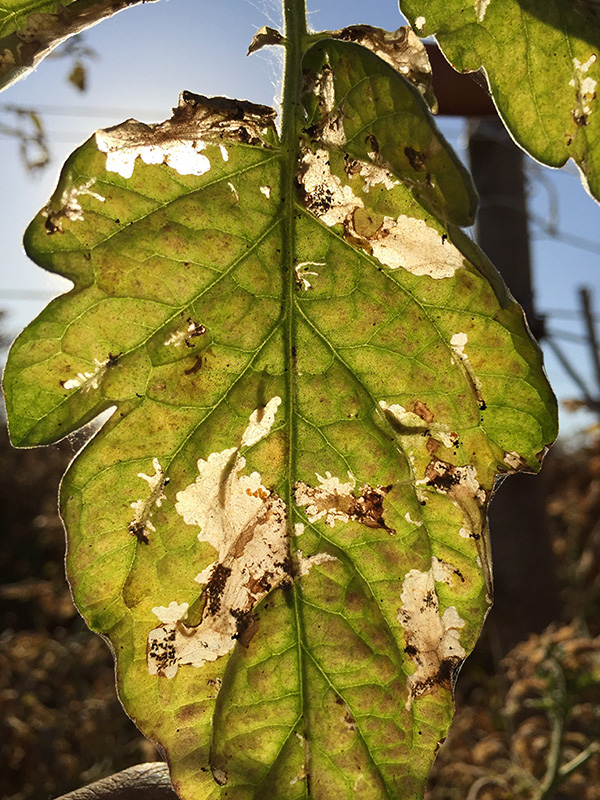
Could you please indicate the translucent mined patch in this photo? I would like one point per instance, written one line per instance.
(325, 196)
(420, 23)
(432, 638)
(88, 380)
(585, 89)
(261, 422)
(302, 272)
(328, 501)
(406, 418)
(305, 563)
(481, 8)
(186, 335)
(514, 460)
(375, 175)
(403, 243)
(174, 612)
(266, 190)
(461, 485)
(334, 501)
(458, 343)
(143, 508)
(69, 206)
(411, 244)
(246, 525)
(401, 49)
(7, 61)
(125, 143)
(331, 129)
(448, 479)
(234, 191)
(424, 422)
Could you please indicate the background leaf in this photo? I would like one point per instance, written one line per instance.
(541, 58)
(281, 527)
(31, 30)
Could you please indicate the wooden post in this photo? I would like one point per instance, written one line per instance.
(526, 588)
(586, 310)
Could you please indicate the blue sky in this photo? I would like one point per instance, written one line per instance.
(148, 54)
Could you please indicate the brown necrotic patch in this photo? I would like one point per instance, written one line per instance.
(138, 529)
(416, 159)
(401, 49)
(246, 625)
(441, 475)
(216, 586)
(334, 501)
(421, 410)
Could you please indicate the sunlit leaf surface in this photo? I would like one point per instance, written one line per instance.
(541, 58)
(314, 378)
(30, 29)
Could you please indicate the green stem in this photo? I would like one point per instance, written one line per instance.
(557, 715)
(294, 14)
(294, 31)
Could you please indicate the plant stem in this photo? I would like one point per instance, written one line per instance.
(294, 12)
(557, 714)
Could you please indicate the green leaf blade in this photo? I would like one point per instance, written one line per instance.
(281, 526)
(541, 61)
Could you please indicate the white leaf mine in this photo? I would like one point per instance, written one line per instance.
(261, 422)
(245, 523)
(398, 243)
(88, 380)
(585, 88)
(432, 638)
(141, 524)
(305, 563)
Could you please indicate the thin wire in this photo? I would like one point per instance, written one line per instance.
(83, 111)
(571, 337)
(580, 242)
(567, 313)
(571, 372)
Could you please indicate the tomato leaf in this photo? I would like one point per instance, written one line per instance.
(314, 379)
(541, 61)
(30, 29)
